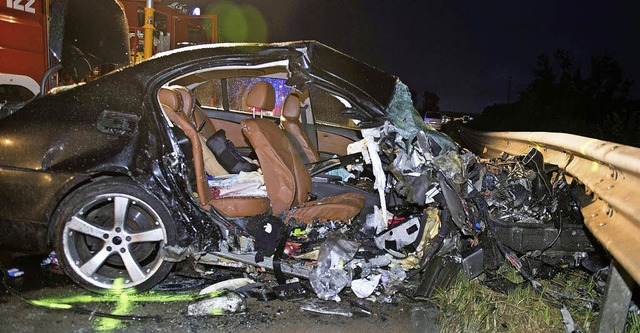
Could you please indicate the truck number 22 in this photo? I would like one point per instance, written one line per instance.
(16, 4)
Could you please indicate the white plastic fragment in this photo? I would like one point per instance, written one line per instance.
(396, 238)
(231, 284)
(359, 147)
(376, 220)
(229, 302)
(336, 261)
(431, 193)
(363, 288)
(369, 135)
(569, 324)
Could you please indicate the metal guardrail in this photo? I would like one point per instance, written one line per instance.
(610, 171)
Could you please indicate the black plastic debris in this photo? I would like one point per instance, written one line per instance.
(501, 284)
(267, 231)
(440, 272)
(258, 291)
(180, 283)
(292, 291)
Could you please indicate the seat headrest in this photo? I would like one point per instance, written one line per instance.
(262, 96)
(188, 100)
(170, 98)
(291, 108)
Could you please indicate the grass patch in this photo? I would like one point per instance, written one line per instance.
(633, 323)
(467, 306)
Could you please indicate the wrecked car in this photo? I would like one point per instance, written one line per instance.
(292, 157)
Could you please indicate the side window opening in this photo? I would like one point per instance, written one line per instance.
(324, 109)
(212, 93)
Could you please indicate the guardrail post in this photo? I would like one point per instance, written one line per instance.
(615, 306)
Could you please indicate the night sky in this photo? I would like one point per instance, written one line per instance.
(465, 51)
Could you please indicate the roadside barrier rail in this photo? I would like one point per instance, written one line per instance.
(609, 171)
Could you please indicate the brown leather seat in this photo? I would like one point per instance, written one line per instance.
(291, 124)
(196, 115)
(173, 104)
(193, 112)
(287, 180)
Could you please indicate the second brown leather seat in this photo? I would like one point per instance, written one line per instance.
(291, 124)
(288, 182)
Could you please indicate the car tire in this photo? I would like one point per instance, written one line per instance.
(109, 236)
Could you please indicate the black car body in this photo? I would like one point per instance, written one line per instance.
(113, 127)
(107, 151)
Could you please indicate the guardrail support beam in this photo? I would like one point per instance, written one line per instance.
(617, 296)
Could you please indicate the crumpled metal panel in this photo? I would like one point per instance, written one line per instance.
(609, 170)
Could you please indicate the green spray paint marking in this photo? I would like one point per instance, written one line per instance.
(123, 305)
(124, 302)
(146, 297)
(50, 305)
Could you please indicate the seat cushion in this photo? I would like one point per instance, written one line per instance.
(342, 207)
(240, 206)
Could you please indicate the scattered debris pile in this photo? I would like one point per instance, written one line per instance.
(444, 210)
(441, 210)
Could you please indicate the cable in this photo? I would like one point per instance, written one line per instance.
(557, 236)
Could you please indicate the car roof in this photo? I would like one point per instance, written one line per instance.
(369, 89)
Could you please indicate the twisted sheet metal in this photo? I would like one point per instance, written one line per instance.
(610, 171)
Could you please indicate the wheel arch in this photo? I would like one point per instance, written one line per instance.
(92, 262)
(66, 191)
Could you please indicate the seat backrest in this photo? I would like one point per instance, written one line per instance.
(173, 105)
(286, 178)
(196, 115)
(293, 127)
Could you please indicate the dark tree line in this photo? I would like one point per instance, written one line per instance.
(561, 99)
(430, 102)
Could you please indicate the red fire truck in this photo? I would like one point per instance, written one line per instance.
(23, 47)
(173, 28)
(72, 40)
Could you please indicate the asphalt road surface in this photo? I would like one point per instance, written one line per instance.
(166, 311)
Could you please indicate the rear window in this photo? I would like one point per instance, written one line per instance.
(210, 94)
